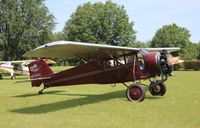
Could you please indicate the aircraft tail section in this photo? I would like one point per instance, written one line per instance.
(39, 71)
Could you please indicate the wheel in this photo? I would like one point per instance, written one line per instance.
(135, 93)
(13, 77)
(157, 90)
(40, 92)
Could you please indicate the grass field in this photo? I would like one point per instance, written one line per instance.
(100, 106)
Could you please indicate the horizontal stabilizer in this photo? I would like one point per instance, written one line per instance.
(36, 79)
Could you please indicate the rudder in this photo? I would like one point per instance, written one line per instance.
(39, 69)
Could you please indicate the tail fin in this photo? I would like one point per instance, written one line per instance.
(39, 69)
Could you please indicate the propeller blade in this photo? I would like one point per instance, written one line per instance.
(174, 60)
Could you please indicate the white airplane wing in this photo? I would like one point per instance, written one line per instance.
(69, 49)
(6, 70)
(26, 62)
(22, 62)
(2, 62)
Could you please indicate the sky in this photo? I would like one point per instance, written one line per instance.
(148, 15)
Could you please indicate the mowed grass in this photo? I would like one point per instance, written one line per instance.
(100, 106)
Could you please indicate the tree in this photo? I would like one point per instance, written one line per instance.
(174, 36)
(100, 23)
(139, 44)
(24, 24)
(56, 36)
(198, 47)
(190, 52)
(171, 36)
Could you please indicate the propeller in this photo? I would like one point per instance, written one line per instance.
(167, 60)
(174, 60)
(165, 67)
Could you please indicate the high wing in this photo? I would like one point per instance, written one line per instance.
(26, 62)
(22, 62)
(69, 49)
(3, 62)
(161, 49)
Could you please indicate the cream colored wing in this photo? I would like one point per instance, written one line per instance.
(69, 49)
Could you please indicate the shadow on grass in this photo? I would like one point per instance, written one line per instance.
(153, 97)
(77, 94)
(66, 104)
(36, 94)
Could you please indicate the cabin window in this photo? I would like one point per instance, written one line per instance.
(129, 59)
(141, 61)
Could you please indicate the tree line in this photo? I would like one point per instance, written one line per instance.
(26, 24)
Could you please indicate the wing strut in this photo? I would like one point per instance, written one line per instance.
(134, 57)
(110, 75)
(110, 56)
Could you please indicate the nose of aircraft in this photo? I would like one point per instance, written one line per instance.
(165, 63)
(174, 60)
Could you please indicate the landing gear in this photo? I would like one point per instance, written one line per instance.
(158, 89)
(13, 77)
(41, 91)
(135, 92)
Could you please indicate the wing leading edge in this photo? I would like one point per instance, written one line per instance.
(172, 49)
(69, 49)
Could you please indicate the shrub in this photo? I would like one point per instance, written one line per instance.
(192, 65)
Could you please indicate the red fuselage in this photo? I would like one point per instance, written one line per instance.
(103, 71)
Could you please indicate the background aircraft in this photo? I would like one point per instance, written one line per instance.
(105, 64)
(18, 67)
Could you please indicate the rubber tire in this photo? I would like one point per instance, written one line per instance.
(40, 92)
(161, 92)
(137, 87)
(13, 77)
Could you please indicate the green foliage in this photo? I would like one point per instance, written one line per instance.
(192, 65)
(190, 51)
(171, 36)
(24, 24)
(139, 44)
(175, 36)
(198, 50)
(100, 23)
(56, 36)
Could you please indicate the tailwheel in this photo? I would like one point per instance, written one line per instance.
(41, 91)
(135, 92)
(157, 90)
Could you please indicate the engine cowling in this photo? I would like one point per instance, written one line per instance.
(157, 63)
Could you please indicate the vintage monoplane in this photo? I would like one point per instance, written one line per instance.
(18, 67)
(104, 64)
